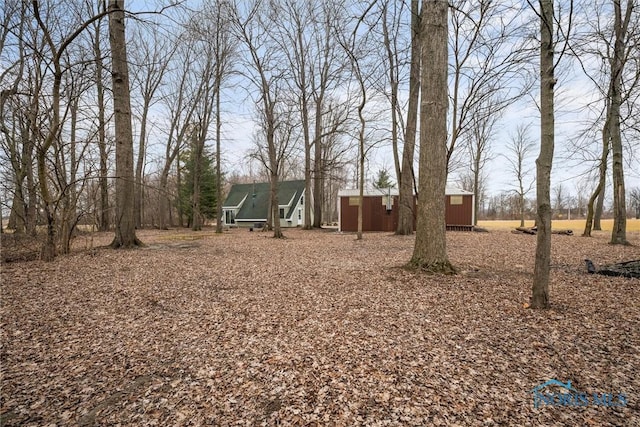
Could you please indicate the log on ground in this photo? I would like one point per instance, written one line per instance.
(629, 269)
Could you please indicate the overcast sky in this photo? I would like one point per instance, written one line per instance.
(573, 92)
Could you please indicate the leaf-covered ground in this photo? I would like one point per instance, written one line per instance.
(316, 329)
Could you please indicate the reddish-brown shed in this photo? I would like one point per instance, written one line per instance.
(380, 209)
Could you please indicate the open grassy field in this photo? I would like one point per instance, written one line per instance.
(577, 225)
(318, 329)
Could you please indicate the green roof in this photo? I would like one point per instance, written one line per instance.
(256, 198)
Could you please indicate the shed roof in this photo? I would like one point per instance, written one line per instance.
(351, 192)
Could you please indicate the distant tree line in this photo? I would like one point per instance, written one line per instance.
(130, 129)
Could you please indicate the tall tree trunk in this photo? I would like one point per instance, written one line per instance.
(406, 214)
(318, 181)
(307, 162)
(430, 250)
(304, 116)
(31, 219)
(70, 193)
(103, 181)
(273, 168)
(125, 230)
(619, 232)
(197, 153)
(540, 289)
(218, 153)
(522, 202)
(17, 215)
(172, 154)
(362, 157)
(163, 199)
(307, 182)
(274, 179)
(393, 82)
(597, 215)
(476, 187)
(140, 164)
(275, 207)
(180, 207)
(593, 217)
(30, 136)
(30, 133)
(48, 252)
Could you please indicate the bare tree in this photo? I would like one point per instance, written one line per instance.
(191, 97)
(298, 47)
(211, 58)
(286, 134)
(203, 64)
(306, 35)
(56, 51)
(634, 201)
(22, 82)
(478, 144)
(540, 289)
(391, 20)
(517, 157)
(559, 199)
(356, 48)
(621, 51)
(49, 248)
(70, 154)
(336, 145)
(103, 211)
(327, 74)
(182, 96)
(487, 63)
(266, 76)
(406, 214)
(606, 53)
(430, 251)
(198, 137)
(597, 197)
(48, 119)
(151, 56)
(582, 188)
(223, 52)
(125, 231)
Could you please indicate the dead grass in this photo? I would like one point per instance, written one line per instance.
(315, 329)
(577, 225)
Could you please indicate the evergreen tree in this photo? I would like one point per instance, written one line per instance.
(207, 186)
(383, 180)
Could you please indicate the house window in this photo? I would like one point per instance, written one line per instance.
(354, 201)
(455, 200)
(229, 217)
(281, 212)
(299, 214)
(302, 200)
